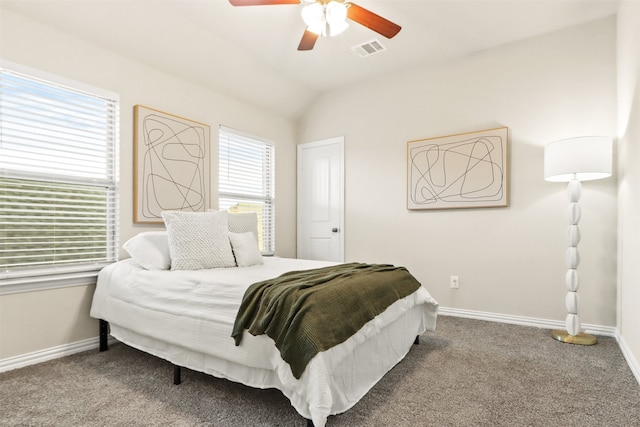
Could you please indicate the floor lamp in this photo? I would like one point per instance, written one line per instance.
(574, 160)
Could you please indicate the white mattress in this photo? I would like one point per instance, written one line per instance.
(186, 317)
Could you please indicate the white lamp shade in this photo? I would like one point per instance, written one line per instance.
(583, 158)
(336, 13)
(312, 15)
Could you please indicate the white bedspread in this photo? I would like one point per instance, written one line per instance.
(196, 310)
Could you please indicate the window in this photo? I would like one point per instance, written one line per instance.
(247, 180)
(58, 175)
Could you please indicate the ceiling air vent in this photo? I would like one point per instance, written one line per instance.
(369, 48)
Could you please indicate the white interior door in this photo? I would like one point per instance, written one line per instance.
(321, 200)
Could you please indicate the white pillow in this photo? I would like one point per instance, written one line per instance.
(245, 249)
(243, 222)
(198, 240)
(150, 249)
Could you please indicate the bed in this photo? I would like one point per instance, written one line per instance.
(187, 316)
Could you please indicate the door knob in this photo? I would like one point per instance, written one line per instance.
(335, 229)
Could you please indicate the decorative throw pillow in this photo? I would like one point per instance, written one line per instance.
(150, 249)
(245, 249)
(198, 240)
(243, 222)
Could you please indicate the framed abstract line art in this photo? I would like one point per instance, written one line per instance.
(172, 164)
(466, 170)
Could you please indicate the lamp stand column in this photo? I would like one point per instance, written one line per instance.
(573, 335)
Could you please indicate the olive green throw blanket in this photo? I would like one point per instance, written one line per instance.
(309, 311)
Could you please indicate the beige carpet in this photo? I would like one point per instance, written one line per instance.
(467, 373)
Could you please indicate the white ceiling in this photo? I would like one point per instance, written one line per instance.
(251, 52)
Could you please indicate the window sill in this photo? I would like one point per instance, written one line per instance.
(18, 285)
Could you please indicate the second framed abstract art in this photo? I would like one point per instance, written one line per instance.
(172, 164)
(467, 170)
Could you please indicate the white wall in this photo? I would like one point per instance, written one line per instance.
(510, 260)
(629, 177)
(39, 46)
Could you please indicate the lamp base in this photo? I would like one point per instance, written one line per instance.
(580, 339)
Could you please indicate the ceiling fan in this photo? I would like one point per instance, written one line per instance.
(329, 18)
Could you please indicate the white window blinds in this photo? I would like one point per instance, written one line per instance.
(246, 180)
(58, 174)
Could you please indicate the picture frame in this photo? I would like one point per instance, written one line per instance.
(465, 170)
(172, 164)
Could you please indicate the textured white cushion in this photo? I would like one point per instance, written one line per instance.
(150, 249)
(198, 240)
(244, 222)
(245, 249)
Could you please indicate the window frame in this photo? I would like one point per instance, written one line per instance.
(268, 221)
(59, 276)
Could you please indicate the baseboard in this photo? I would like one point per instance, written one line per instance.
(607, 331)
(628, 355)
(51, 353)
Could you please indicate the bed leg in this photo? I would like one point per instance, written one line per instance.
(417, 340)
(309, 423)
(104, 335)
(176, 374)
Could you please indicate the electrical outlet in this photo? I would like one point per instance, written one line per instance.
(455, 282)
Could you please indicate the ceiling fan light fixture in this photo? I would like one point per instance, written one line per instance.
(335, 12)
(328, 19)
(312, 15)
(338, 28)
(336, 16)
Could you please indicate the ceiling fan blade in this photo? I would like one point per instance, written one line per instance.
(261, 2)
(308, 40)
(372, 21)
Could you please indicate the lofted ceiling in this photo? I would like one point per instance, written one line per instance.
(250, 53)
